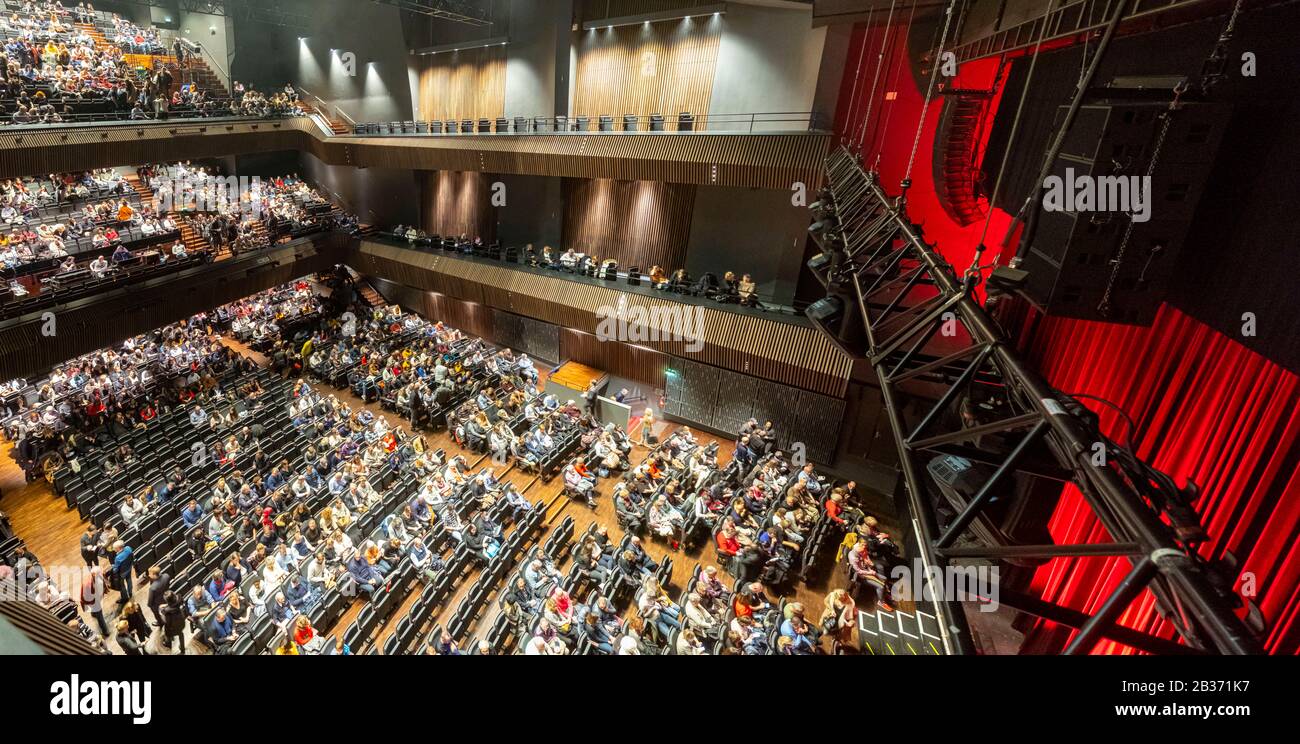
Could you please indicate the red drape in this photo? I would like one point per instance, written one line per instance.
(1208, 410)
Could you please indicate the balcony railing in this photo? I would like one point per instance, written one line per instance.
(124, 118)
(623, 278)
(753, 123)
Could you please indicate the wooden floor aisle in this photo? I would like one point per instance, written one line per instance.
(51, 530)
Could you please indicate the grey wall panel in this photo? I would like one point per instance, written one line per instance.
(735, 401)
(776, 403)
(535, 338)
(722, 401)
(817, 421)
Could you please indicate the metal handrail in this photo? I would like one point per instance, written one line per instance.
(211, 58)
(771, 121)
(326, 106)
(123, 117)
(770, 305)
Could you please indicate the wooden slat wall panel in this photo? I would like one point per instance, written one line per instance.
(620, 359)
(663, 68)
(637, 223)
(463, 85)
(760, 160)
(44, 630)
(456, 203)
(470, 317)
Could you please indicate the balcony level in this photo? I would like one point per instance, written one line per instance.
(761, 159)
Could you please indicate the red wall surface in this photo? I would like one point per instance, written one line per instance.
(1206, 408)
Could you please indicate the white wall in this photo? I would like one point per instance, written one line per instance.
(531, 56)
(378, 196)
(768, 61)
(213, 32)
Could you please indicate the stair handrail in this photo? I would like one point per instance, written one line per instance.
(211, 59)
(326, 107)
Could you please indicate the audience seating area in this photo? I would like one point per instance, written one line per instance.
(218, 494)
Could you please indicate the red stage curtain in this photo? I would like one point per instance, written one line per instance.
(1208, 410)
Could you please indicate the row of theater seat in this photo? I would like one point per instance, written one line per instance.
(85, 284)
(411, 627)
(524, 125)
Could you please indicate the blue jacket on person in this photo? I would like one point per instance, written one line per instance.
(363, 572)
(296, 594)
(192, 516)
(222, 629)
(123, 561)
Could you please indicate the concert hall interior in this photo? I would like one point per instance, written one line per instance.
(649, 327)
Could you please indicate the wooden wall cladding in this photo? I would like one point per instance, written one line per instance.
(638, 223)
(61, 148)
(470, 317)
(470, 84)
(456, 203)
(660, 68)
(624, 360)
(787, 351)
(757, 160)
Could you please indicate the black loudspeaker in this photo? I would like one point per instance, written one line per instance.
(819, 261)
(826, 310)
(837, 316)
(1081, 225)
(634, 276)
(1016, 515)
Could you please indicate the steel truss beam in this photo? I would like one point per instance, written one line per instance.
(447, 10)
(243, 10)
(902, 285)
(1070, 19)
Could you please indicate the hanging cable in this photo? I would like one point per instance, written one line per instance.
(1211, 74)
(880, 59)
(1006, 153)
(1212, 69)
(857, 77)
(894, 85)
(1117, 262)
(929, 93)
(1029, 211)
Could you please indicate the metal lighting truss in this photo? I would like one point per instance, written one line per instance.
(1075, 17)
(905, 293)
(448, 10)
(245, 10)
